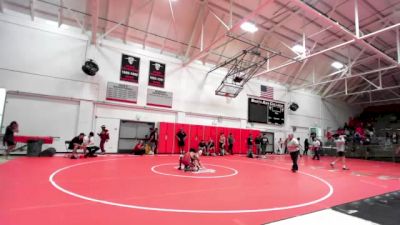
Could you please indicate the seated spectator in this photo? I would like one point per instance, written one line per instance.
(75, 144)
(211, 147)
(88, 142)
(139, 148)
(203, 146)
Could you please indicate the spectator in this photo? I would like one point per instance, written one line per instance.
(316, 148)
(222, 142)
(8, 139)
(306, 146)
(231, 141)
(139, 148)
(211, 147)
(153, 139)
(257, 141)
(75, 144)
(250, 146)
(264, 144)
(90, 146)
(104, 137)
(181, 137)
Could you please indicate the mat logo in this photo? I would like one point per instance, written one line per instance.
(206, 171)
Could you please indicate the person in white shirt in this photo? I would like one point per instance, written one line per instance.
(88, 142)
(316, 147)
(293, 147)
(340, 149)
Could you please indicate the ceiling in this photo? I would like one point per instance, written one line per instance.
(203, 30)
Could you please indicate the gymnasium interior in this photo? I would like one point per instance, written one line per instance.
(229, 112)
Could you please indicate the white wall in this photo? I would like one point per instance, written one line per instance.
(40, 59)
(43, 116)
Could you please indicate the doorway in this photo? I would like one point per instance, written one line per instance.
(131, 132)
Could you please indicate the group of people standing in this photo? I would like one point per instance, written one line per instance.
(261, 142)
(293, 147)
(208, 148)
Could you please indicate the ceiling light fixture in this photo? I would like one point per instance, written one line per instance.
(337, 65)
(249, 27)
(299, 49)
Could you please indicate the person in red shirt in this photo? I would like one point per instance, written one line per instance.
(104, 137)
(139, 148)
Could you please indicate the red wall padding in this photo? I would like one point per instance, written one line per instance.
(195, 133)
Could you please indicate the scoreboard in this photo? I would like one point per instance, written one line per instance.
(266, 111)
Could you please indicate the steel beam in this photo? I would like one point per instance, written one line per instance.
(165, 40)
(232, 29)
(2, 6)
(219, 19)
(377, 101)
(127, 18)
(95, 5)
(398, 45)
(339, 46)
(360, 40)
(61, 13)
(148, 23)
(373, 90)
(130, 14)
(371, 83)
(356, 21)
(231, 13)
(342, 78)
(32, 9)
(195, 26)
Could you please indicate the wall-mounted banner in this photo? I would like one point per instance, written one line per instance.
(159, 98)
(121, 92)
(130, 67)
(157, 74)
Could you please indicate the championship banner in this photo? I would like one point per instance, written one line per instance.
(159, 98)
(130, 67)
(121, 92)
(157, 74)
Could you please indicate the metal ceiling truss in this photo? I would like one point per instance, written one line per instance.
(235, 27)
(335, 24)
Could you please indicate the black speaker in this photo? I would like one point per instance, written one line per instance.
(294, 106)
(90, 67)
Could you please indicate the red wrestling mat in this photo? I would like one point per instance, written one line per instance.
(150, 190)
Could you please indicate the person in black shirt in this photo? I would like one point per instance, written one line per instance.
(257, 141)
(202, 147)
(181, 136)
(250, 146)
(231, 140)
(8, 139)
(153, 139)
(264, 144)
(75, 144)
(306, 147)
